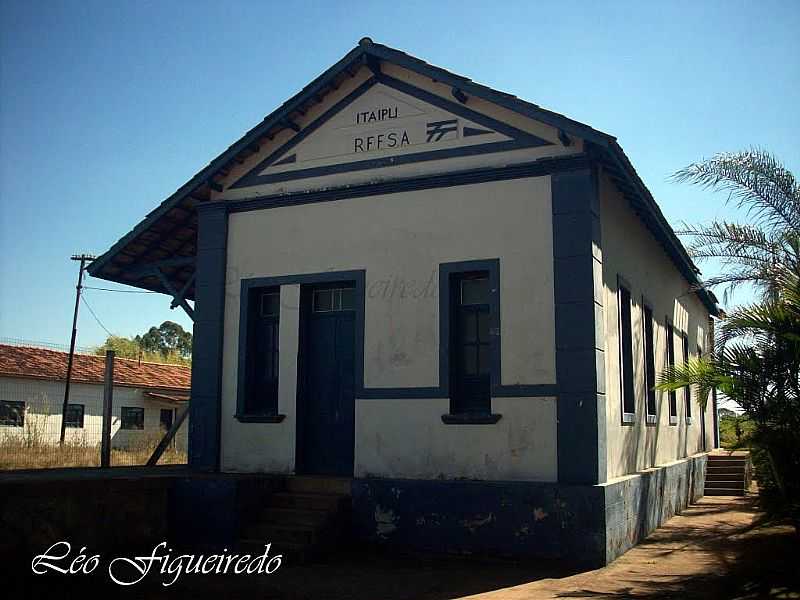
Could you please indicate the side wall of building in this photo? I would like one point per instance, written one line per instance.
(630, 252)
(399, 241)
(43, 401)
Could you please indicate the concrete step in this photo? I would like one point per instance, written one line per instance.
(725, 477)
(330, 502)
(726, 462)
(305, 520)
(719, 470)
(278, 534)
(725, 492)
(717, 485)
(295, 516)
(319, 485)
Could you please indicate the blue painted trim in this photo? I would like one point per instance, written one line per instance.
(401, 393)
(651, 418)
(446, 271)
(242, 370)
(386, 161)
(358, 276)
(252, 177)
(627, 419)
(483, 518)
(387, 393)
(538, 168)
(470, 419)
(204, 421)
(520, 139)
(579, 328)
(525, 391)
(260, 418)
(463, 111)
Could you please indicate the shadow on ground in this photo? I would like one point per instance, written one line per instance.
(738, 555)
(716, 549)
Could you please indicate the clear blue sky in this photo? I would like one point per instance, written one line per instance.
(107, 107)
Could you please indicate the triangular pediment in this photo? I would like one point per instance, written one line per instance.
(386, 122)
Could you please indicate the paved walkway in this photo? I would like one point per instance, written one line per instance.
(718, 548)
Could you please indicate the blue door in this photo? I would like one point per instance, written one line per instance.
(326, 410)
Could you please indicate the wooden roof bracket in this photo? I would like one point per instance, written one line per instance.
(177, 296)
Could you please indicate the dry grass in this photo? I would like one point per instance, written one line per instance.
(19, 452)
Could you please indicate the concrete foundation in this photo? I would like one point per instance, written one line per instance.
(585, 524)
(637, 504)
(582, 524)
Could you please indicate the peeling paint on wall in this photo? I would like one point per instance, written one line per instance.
(385, 521)
(477, 522)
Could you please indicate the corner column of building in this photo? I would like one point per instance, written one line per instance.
(579, 328)
(204, 416)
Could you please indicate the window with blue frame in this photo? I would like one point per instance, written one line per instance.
(650, 363)
(627, 389)
(470, 344)
(263, 336)
(687, 393)
(673, 398)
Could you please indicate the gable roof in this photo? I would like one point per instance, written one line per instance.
(51, 365)
(170, 230)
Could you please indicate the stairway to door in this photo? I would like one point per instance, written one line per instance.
(305, 520)
(728, 474)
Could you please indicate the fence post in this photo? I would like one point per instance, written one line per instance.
(168, 437)
(108, 398)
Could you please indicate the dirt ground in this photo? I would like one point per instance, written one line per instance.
(718, 548)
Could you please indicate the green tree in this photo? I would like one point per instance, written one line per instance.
(756, 361)
(122, 346)
(757, 365)
(168, 343)
(168, 338)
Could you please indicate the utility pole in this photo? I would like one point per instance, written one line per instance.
(83, 258)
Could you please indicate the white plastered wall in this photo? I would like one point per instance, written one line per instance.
(43, 401)
(400, 240)
(630, 251)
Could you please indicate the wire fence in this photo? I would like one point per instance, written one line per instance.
(30, 425)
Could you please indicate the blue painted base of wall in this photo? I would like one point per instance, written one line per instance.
(207, 511)
(510, 519)
(637, 505)
(583, 524)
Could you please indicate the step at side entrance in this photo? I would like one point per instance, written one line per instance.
(308, 518)
(727, 475)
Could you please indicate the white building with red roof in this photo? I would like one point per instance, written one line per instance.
(147, 399)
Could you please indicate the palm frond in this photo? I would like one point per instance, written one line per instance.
(755, 180)
(701, 372)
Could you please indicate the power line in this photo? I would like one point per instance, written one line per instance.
(83, 299)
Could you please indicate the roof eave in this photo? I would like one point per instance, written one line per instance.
(210, 170)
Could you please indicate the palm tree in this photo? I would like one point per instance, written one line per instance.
(757, 251)
(756, 363)
(756, 360)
